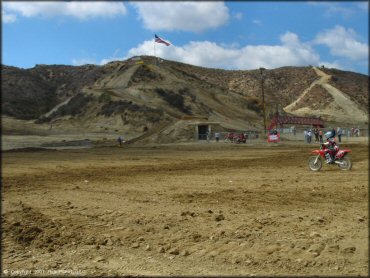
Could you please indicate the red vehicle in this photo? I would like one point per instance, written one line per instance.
(236, 138)
(240, 138)
(342, 159)
(229, 137)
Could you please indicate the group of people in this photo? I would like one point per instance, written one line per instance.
(309, 133)
(318, 133)
(354, 132)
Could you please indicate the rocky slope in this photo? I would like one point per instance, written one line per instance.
(145, 96)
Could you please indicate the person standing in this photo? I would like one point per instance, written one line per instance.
(333, 132)
(309, 136)
(316, 132)
(217, 136)
(339, 133)
(305, 135)
(320, 136)
(120, 141)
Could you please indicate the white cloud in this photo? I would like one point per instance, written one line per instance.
(364, 6)
(335, 65)
(83, 61)
(342, 42)
(334, 9)
(185, 16)
(8, 18)
(238, 16)
(257, 22)
(291, 52)
(80, 10)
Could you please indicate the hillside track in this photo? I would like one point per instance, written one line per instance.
(345, 108)
(196, 209)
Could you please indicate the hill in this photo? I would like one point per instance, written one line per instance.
(161, 100)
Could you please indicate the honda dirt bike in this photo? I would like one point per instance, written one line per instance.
(342, 159)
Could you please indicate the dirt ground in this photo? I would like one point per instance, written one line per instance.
(191, 209)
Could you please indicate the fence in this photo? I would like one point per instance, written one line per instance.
(288, 134)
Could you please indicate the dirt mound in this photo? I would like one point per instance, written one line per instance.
(31, 228)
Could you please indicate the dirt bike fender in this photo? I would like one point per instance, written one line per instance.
(342, 153)
(316, 151)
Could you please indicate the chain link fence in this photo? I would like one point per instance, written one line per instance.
(349, 134)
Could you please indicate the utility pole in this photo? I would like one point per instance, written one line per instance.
(263, 101)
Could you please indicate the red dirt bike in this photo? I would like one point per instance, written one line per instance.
(240, 138)
(235, 138)
(342, 159)
(229, 137)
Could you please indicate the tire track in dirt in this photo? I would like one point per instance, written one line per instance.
(178, 168)
(275, 217)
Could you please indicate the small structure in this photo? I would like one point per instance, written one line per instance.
(205, 130)
(202, 127)
(280, 121)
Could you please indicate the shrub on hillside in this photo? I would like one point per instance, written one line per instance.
(122, 106)
(254, 104)
(105, 97)
(173, 99)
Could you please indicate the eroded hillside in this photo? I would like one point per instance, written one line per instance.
(145, 96)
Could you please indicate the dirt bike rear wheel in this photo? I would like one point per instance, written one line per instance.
(312, 165)
(347, 163)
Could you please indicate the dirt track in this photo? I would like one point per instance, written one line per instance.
(217, 209)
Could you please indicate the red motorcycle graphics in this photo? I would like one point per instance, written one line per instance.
(341, 158)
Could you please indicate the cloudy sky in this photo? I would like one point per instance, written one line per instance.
(229, 35)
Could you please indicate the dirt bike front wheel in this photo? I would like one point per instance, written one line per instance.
(315, 163)
(345, 163)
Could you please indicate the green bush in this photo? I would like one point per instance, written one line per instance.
(105, 97)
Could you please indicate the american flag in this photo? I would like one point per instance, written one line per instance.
(159, 40)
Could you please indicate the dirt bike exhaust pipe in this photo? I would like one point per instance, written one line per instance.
(338, 162)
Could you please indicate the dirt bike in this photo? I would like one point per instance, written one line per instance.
(229, 138)
(240, 138)
(342, 159)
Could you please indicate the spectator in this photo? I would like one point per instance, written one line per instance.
(316, 132)
(309, 136)
(305, 135)
(208, 136)
(120, 141)
(217, 136)
(320, 136)
(339, 133)
(333, 132)
(357, 132)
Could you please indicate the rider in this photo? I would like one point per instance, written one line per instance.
(331, 147)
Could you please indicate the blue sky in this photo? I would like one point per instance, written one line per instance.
(228, 35)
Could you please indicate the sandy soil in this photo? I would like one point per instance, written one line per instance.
(196, 209)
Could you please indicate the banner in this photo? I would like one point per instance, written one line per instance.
(273, 138)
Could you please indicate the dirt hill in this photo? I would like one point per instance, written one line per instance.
(159, 99)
